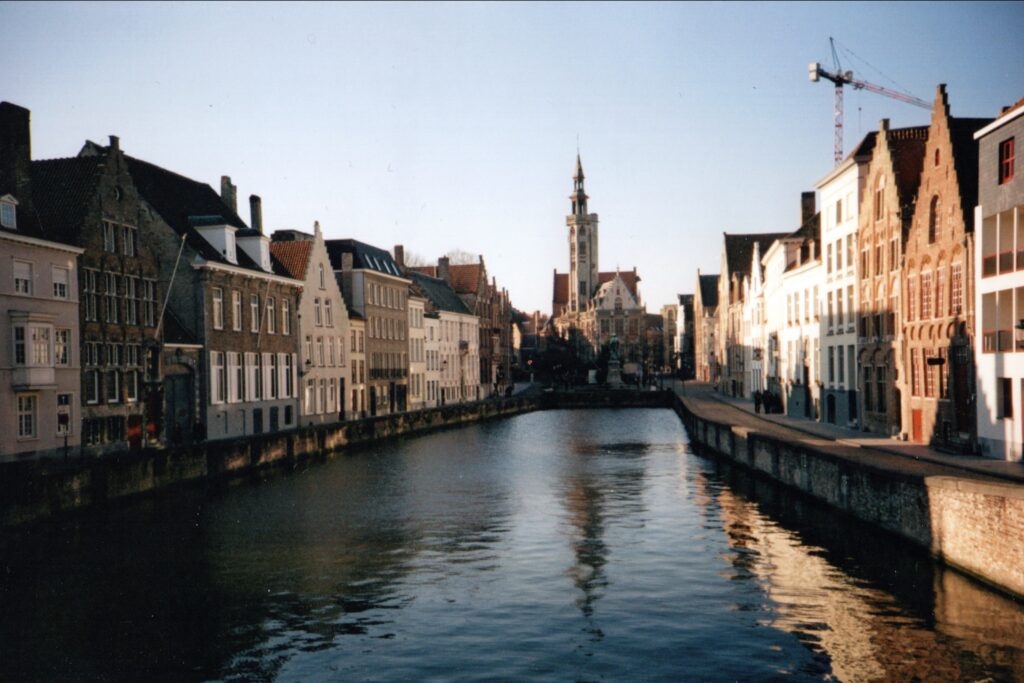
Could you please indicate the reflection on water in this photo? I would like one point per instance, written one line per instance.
(576, 545)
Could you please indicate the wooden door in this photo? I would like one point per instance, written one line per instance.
(918, 420)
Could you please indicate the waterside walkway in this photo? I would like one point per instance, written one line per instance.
(888, 453)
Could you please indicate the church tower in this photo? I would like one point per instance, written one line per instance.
(583, 280)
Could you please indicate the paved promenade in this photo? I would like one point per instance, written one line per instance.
(886, 453)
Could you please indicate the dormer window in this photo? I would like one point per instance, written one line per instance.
(8, 212)
(229, 248)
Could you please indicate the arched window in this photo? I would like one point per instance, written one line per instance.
(618, 303)
(934, 220)
(937, 156)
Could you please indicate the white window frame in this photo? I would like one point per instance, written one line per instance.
(23, 281)
(9, 214)
(271, 315)
(131, 386)
(217, 296)
(254, 312)
(61, 283)
(65, 408)
(236, 310)
(28, 416)
(286, 313)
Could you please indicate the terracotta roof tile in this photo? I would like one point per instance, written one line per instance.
(293, 255)
(466, 277)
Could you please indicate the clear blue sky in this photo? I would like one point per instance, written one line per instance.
(454, 126)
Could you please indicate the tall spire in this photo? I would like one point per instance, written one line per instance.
(578, 197)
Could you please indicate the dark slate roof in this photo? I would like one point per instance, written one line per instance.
(185, 204)
(965, 160)
(63, 191)
(364, 256)
(865, 147)
(739, 249)
(709, 290)
(906, 146)
(439, 293)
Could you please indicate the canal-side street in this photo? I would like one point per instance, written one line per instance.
(556, 545)
(887, 452)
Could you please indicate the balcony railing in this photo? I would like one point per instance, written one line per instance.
(1006, 262)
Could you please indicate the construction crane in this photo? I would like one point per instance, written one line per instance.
(841, 78)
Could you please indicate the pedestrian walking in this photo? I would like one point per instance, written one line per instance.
(757, 401)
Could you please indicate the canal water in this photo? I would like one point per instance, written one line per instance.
(555, 546)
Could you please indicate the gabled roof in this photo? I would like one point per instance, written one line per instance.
(561, 284)
(739, 249)
(865, 146)
(965, 161)
(709, 290)
(425, 270)
(440, 295)
(293, 256)
(364, 256)
(62, 192)
(906, 146)
(466, 277)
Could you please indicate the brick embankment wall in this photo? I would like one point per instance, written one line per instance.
(969, 522)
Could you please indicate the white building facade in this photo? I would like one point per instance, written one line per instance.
(839, 195)
(999, 289)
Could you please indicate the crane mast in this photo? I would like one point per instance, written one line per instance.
(841, 78)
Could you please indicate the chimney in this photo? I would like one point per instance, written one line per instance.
(255, 209)
(346, 262)
(15, 151)
(442, 269)
(400, 256)
(806, 207)
(115, 143)
(228, 192)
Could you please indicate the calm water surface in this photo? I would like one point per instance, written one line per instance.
(563, 545)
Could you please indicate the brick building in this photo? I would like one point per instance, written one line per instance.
(886, 211)
(374, 287)
(938, 277)
(91, 201)
(229, 296)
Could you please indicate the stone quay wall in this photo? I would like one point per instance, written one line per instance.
(41, 489)
(973, 524)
